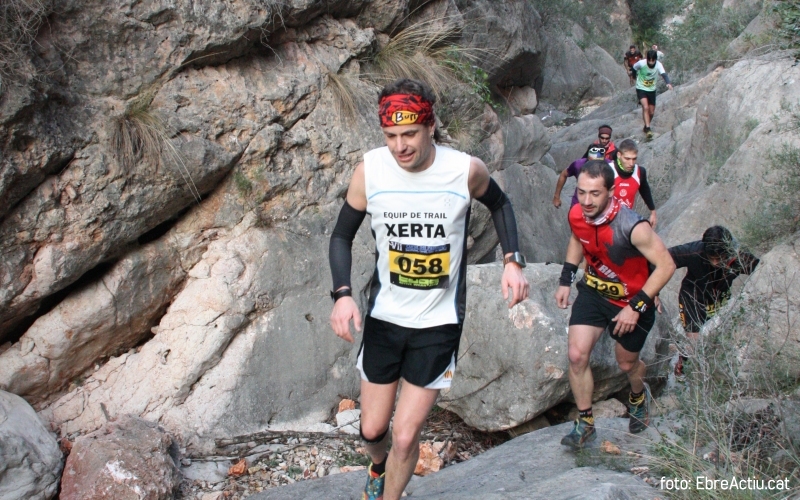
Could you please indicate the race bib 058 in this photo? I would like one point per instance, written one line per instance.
(609, 289)
(421, 267)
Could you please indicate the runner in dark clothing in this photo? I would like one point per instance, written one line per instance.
(711, 266)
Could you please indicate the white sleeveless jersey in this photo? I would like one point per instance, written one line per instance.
(419, 221)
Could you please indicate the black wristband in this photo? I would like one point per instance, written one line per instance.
(640, 302)
(344, 292)
(567, 274)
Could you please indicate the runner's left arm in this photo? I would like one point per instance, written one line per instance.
(652, 248)
(647, 195)
(664, 75)
(484, 189)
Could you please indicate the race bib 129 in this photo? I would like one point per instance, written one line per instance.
(609, 289)
(421, 267)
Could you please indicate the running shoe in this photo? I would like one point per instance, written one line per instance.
(640, 414)
(648, 133)
(374, 488)
(582, 433)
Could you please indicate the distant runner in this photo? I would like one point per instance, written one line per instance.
(617, 292)
(659, 54)
(629, 58)
(646, 73)
(594, 153)
(604, 141)
(711, 266)
(631, 178)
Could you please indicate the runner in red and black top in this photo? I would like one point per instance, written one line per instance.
(711, 266)
(616, 292)
(629, 59)
(631, 178)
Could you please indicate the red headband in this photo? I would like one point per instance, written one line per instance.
(405, 109)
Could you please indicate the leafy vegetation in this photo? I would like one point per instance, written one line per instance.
(777, 213)
(724, 429)
(789, 15)
(703, 36)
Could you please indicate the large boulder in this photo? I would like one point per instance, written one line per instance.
(129, 458)
(769, 304)
(30, 460)
(513, 363)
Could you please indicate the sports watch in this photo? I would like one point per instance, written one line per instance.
(517, 258)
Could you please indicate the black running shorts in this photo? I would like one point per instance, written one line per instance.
(592, 309)
(649, 95)
(694, 314)
(425, 357)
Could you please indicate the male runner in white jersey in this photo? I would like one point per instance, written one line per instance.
(418, 196)
(646, 73)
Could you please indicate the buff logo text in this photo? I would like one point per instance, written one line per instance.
(415, 230)
(404, 117)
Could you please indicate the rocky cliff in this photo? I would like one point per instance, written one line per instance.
(170, 176)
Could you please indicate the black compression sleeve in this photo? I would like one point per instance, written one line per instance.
(666, 78)
(503, 216)
(644, 189)
(340, 249)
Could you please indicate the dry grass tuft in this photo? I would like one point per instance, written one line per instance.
(140, 135)
(347, 96)
(19, 23)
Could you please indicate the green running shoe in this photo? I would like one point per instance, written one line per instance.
(640, 414)
(374, 488)
(582, 433)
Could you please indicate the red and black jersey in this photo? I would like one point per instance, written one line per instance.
(614, 267)
(627, 184)
(633, 58)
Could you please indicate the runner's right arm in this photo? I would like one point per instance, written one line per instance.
(571, 261)
(340, 255)
(562, 179)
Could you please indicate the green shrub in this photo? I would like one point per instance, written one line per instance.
(718, 436)
(703, 37)
(777, 213)
(789, 14)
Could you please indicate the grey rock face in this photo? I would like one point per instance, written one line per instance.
(569, 76)
(534, 466)
(543, 229)
(513, 363)
(127, 459)
(510, 30)
(30, 461)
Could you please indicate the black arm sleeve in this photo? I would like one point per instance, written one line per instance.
(341, 245)
(644, 189)
(503, 216)
(666, 78)
(684, 255)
